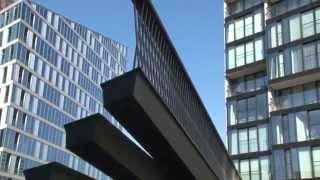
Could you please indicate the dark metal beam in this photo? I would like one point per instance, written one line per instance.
(132, 100)
(54, 171)
(97, 141)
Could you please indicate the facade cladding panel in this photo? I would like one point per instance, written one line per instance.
(50, 74)
(273, 114)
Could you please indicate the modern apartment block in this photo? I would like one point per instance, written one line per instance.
(50, 73)
(272, 52)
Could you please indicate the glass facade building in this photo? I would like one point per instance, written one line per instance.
(272, 68)
(50, 73)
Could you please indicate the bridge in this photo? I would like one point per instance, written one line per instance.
(159, 106)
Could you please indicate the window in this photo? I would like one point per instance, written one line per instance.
(300, 163)
(258, 22)
(284, 98)
(232, 113)
(245, 53)
(302, 126)
(262, 106)
(1, 38)
(249, 53)
(277, 65)
(294, 127)
(260, 81)
(289, 164)
(234, 142)
(4, 77)
(296, 60)
(252, 109)
(317, 14)
(243, 141)
(279, 34)
(244, 170)
(279, 167)
(265, 169)
(309, 56)
(273, 67)
(259, 51)
(297, 96)
(276, 35)
(247, 140)
(253, 140)
(273, 36)
(240, 86)
(277, 130)
(292, 164)
(236, 164)
(310, 94)
(248, 25)
(6, 98)
(305, 163)
(281, 65)
(242, 111)
(295, 32)
(254, 169)
(307, 24)
(263, 138)
(239, 29)
(316, 161)
(231, 59)
(230, 33)
(314, 124)
(250, 83)
(240, 55)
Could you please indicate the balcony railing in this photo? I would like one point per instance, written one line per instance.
(238, 6)
(277, 7)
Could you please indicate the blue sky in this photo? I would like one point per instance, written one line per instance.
(195, 27)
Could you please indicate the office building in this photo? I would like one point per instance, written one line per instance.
(50, 73)
(272, 64)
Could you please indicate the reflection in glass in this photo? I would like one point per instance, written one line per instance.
(305, 162)
(302, 126)
(314, 124)
(316, 161)
(243, 141)
(244, 170)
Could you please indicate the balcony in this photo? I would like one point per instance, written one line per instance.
(246, 69)
(237, 8)
(280, 9)
(230, 1)
(251, 155)
(271, 1)
(295, 79)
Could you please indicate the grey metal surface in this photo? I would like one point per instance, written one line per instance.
(54, 171)
(98, 142)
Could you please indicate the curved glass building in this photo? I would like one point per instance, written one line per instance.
(50, 73)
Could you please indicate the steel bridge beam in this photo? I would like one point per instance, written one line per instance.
(54, 171)
(131, 99)
(101, 144)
